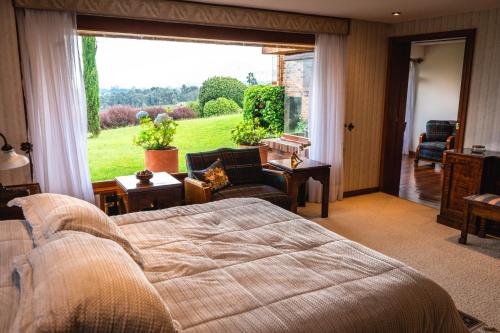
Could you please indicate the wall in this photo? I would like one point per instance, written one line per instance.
(438, 85)
(12, 123)
(483, 118)
(367, 46)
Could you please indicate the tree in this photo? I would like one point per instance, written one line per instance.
(91, 81)
(251, 80)
(218, 86)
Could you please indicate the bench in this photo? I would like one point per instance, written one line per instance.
(483, 207)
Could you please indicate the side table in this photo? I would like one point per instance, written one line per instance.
(299, 176)
(163, 191)
(8, 193)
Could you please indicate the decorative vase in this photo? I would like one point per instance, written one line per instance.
(162, 160)
(263, 151)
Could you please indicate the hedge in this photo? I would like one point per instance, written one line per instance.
(218, 86)
(267, 103)
(220, 106)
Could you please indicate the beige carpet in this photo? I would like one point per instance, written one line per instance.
(408, 231)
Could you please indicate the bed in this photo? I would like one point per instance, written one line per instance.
(245, 265)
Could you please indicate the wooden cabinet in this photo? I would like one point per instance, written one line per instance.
(466, 174)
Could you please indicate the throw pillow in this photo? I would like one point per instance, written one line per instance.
(214, 175)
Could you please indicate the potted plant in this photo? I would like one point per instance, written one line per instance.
(248, 134)
(156, 138)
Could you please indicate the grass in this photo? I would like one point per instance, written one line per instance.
(113, 154)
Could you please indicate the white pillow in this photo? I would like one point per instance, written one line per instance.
(49, 213)
(77, 282)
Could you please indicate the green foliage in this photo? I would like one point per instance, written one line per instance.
(156, 135)
(195, 106)
(251, 80)
(219, 107)
(248, 132)
(266, 103)
(113, 154)
(91, 81)
(218, 86)
(148, 97)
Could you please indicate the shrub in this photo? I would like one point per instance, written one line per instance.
(182, 112)
(154, 111)
(266, 103)
(220, 106)
(195, 106)
(218, 86)
(118, 116)
(158, 134)
(141, 114)
(248, 132)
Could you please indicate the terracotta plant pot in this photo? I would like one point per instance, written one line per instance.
(162, 160)
(263, 150)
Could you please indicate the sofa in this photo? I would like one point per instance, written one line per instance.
(246, 174)
(438, 137)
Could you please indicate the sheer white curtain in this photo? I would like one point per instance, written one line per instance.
(410, 109)
(327, 112)
(55, 99)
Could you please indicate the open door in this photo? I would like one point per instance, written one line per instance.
(395, 101)
(394, 119)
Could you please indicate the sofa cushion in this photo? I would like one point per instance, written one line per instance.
(260, 191)
(214, 175)
(242, 166)
(434, 146)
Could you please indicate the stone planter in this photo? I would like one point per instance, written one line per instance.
(263, 150)
(162, 160)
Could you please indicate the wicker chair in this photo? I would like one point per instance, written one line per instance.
(438, 137)
(247, 176)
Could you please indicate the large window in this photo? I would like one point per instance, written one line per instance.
(166, 77)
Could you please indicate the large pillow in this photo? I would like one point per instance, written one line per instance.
(77, 282)
(48, 213)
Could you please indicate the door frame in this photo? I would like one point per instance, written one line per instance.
(395, 101)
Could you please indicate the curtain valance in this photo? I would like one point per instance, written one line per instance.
(197, 13)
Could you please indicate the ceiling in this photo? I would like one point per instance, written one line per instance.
(370, 10)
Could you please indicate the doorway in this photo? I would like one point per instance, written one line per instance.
(400, 175)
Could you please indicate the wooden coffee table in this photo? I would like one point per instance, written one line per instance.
(164, 191)
(299, 176)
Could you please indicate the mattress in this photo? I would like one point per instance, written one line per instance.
(245, 265)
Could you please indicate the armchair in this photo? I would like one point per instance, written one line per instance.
(247, 176)
(438, 137)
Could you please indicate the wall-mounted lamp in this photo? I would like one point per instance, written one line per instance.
(9, 159)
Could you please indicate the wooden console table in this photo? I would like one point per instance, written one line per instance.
(299, 176)
(164, 191)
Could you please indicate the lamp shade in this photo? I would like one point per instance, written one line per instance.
(9, 159)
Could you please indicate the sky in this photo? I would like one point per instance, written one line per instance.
(126, 63)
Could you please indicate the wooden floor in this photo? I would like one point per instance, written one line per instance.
(422, 183)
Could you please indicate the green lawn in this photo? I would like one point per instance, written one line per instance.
(113, 153)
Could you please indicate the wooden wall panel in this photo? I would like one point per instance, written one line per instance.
(12, 122)
(367, 46)
(483, 118)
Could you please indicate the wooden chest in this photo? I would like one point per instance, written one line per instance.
(466, 174)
